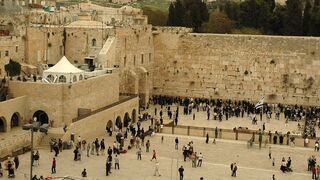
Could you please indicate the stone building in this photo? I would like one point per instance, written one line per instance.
(148, 61)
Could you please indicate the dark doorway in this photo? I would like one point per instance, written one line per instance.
(126, 120)
(3, 127)
(15, 119)
(41, 116)
(118, 122)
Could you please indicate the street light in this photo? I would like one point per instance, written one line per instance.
(34, 127)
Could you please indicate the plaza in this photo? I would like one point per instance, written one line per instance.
(87, 70)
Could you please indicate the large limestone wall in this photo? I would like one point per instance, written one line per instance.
(98, 122)
(11, 47)
(9, 107)
(61, 101)
(134, 55)
(44, 45)
(284, 69)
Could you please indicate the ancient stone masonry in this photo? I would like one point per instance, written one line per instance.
(284, 69)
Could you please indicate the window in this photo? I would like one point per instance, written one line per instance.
(134, 60)
(150, 56)
(141, 58)
(17, 49)
(80, 77)
(6, 53)
(94, 42)
(74, 78)
(62, 79)
(50, 77)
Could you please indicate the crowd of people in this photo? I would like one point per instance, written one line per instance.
(219, 109)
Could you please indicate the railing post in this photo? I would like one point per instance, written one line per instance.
(188, 130)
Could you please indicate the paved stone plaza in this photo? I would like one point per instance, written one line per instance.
(201, 121)
(252, 163)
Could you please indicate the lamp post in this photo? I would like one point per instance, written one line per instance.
(34, 127)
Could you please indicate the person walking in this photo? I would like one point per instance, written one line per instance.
(200, 157)
(108, 167)
(139, 154)
(207, 138)
(88, 149)
(154, 155)
(156, 169)
(176, 143)
(234, 170)
(116, 162)
(269, 152)
(53, 167)
(84, 173)
(16, 162)
(147, 146)
(103, 147)
(181, 170)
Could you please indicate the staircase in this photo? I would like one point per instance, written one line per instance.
(56, 133)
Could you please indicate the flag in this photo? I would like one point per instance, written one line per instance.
(259, 104)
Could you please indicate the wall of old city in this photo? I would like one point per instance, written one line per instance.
(99, 121)
(134, 56)
(85, 40)
(61, 101)
(283, 69)
(11, 47)
(44, 45)
(10, 107)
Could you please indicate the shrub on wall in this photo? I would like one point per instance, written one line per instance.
(13, 68)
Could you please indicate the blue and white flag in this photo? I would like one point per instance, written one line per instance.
(260, 103)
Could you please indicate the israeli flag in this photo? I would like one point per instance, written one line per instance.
(260, 103)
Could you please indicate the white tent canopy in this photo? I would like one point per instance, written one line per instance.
(63, 72)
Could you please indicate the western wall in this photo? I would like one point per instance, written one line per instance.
(241, 67)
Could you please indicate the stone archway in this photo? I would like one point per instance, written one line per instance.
(41, 116)
(15, 120)
(3, 125)
(126, 120)
(118, 122)
(134, 115)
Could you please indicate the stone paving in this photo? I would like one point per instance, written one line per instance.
(252, 163)
(201, 121)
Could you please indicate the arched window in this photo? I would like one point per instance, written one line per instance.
(94, 42)
(50, 77)
(74, 78)
(62, 79)
(80, 77)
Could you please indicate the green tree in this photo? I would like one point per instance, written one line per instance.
(271, 4)
(314, 29)
(293, 18)
(13, 68)
(179, 13)
(255, 14)
(306, 18)
(189, 13)
(155, 17)
(276, 22)
(219, 23)
(232, 9)
(171, 16)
